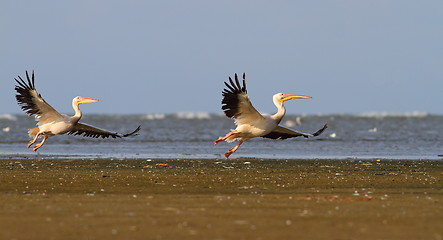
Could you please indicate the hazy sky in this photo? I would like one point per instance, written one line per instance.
(351, 56)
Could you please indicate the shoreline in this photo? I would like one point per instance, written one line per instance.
(220, 199)
(206, 157)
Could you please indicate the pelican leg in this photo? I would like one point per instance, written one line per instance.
(37, 146)
(33, 140)
(232, 150)
(224, 138)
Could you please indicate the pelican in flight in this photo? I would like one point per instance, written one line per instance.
(51, 122)
(250, 123)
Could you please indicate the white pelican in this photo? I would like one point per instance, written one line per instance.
(51, 122)
(250, 123)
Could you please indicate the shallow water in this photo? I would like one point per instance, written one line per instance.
(190, 136)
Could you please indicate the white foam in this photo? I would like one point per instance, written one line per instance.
(193, 115)
(8, 116)
(153, 116)
(393, 114)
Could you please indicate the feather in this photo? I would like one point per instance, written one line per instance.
(32, 103)
(281, 132)
(236, 103)
(94, 132)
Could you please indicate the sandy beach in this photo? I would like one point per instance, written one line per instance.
(220, 199)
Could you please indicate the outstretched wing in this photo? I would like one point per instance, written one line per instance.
(236, 103)
(32, 102)
(90, 131)
(281, 132)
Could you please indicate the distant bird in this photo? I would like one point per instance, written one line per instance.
(372, 130)
(250, 123)
(51, 122)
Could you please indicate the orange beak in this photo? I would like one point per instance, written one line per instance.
(87, 100)
(293, 96)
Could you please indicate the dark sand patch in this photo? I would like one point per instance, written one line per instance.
(219, 199)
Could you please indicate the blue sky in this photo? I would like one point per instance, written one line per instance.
(351, 56)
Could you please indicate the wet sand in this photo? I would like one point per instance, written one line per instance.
(221, 199)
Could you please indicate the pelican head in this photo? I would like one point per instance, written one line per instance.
(79, 100)
(281, 97)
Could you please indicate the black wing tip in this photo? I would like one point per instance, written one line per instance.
(30, 84)
(24, 95)
(107, 134)
(321, 130)
(244, 83)
(231, 95)
(133, 133)
(30, 80)
(234, 86)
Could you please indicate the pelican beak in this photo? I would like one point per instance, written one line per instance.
(87, 100)
(287, 97)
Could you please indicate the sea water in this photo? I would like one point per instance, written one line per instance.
(188, 135)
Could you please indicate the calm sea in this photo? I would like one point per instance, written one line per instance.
(188, 135)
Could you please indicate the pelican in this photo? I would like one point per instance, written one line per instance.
(51, 122)
(250, 123)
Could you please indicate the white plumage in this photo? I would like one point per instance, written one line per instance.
(250, 123)
(49, 121)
